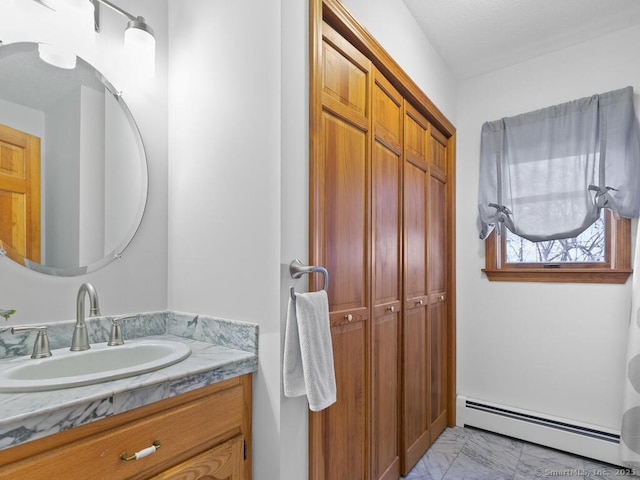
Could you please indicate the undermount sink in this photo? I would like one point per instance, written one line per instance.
(65, 369)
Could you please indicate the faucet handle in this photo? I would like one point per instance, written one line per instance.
(116, 333)
(41, 347)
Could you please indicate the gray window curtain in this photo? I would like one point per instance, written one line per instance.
(547, 174)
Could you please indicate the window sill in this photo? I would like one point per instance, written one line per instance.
(569, 275)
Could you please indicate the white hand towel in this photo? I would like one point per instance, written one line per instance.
(308, 353)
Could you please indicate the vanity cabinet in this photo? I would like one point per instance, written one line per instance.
(205, 433)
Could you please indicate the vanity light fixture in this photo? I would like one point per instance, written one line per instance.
(139, 40)
(80, 19)
(56, 56)
(72, 24)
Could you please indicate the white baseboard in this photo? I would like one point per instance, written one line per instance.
(589, 441)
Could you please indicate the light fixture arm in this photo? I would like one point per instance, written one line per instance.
(96, 17)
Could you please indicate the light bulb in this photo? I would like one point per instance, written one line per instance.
(56, 56)
(140, 48)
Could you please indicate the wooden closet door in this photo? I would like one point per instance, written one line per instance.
(438, 301)
(386, 194)
(416, 407)
(340, 211)
(381, 213)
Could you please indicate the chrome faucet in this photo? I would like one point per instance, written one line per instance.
(80, 336)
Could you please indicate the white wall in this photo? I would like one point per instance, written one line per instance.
(294, 207)
(22, 118)
(62, 182)
(224, 182)
(137, 282)
(92, 176)
(555, 348)
(390, 22)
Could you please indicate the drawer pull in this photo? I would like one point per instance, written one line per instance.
(145, 452)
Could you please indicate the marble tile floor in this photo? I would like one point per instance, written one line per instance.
(472, 454)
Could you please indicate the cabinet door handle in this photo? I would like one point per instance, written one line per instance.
(348, 318)
(441, 298)
(145, 452)
(419, 302)
(392, 309)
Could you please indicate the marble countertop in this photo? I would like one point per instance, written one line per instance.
(220, 349)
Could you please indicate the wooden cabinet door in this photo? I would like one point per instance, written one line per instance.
(416, 418)
(386, 194)
(19, 195)
(340, 215)
(438, 259)
(223, 462)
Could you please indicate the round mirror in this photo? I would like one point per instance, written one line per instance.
(73, 171)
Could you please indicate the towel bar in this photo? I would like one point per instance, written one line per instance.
(297, 269)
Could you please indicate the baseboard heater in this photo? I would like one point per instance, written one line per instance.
(589, 441)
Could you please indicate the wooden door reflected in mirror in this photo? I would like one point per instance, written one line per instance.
(19, 194)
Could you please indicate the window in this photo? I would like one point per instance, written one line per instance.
(601, 254)
(557, 188)
(589, 246)
(547, 174)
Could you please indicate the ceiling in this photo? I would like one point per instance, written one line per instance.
(478, 36)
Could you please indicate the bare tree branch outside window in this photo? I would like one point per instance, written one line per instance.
(588, 247)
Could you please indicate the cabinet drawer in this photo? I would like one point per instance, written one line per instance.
(182, 432)
(224, 461)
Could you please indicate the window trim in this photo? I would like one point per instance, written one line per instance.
(615, 269)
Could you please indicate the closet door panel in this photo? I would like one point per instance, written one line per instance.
(346, 258)
(386, 225)
(437, 236)
(345, 213)
(438, 153)
(416, 373)
(345, 76)
(438, 265)
(340, 241)
(343, 424)
(386, 192)
(415, 207)
(416, 419)
(386, 398)
(438, 367)
(415, 243)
